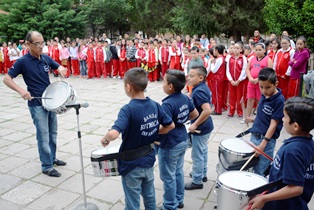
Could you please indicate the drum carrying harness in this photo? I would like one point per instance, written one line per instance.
(127, 155)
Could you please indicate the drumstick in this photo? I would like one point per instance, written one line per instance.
(40, 98)
(250, 206)
(260, 151)
(247, 162)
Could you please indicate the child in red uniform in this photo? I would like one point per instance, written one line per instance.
(281, 65)
(275, 46)
(152, 62)
(175, 54)
(218, 69)
(1, 60)
(164, 57)
(122, 57)
(298, 65)
(141, 55)
(236, 66)
(89, 53)
(253, 68)
(55, 54)
(100, 60)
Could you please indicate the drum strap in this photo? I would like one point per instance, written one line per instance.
(243, 133)
(126, 155)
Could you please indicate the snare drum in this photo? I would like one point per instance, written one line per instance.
(61, 94)
(233, 188)
(233, 153)
(104, 161)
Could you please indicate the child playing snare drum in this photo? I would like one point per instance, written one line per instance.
(140, 121)
(294, 161)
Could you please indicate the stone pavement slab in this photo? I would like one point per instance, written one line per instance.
(24, 187)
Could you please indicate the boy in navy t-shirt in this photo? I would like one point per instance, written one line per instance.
(294, 161)
(174, 144)
(140, 121)
(268, 122)
(201, 96)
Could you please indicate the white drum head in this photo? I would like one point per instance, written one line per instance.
(241, 180)
(106, 151)
(236, 145)
(58, 92)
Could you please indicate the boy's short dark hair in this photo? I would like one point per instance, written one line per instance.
(194, 48)
(201, 71)
(301, 111)
(137, 78)
(267, 74)
(220, 48)
(176, 78)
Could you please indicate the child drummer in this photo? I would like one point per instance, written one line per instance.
(294, 161)
(140, 121)
(268, 122)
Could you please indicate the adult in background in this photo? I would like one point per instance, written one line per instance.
(35, 67)
(257, 37)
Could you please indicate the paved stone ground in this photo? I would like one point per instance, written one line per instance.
(23, 186)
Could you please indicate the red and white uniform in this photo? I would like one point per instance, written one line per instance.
(283, 69)
(235, 70)
(164, 59)
(55, 55)
(89, 53)
(1, 61)
(152, 62)
(218, 70)
(123, 60)
(141, 56)
(271, 54)
(100, 57)
(175, 55)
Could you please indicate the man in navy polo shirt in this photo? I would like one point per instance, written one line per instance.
(35, 67)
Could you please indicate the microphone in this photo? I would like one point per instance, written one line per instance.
(77, 106)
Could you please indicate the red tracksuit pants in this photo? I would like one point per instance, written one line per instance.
(75, 67)
(294, 87)
(217, 91)
(283, 84)
(235, 96)
(91, 69)
(100, 68)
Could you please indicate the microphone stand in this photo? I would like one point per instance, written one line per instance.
(85, 205)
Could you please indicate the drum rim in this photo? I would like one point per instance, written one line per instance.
(234, 190)
(232, 151)
(67, 94)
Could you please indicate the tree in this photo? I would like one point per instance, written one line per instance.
(108, 16)
(232, 17)
(51, 18)
(294, 16)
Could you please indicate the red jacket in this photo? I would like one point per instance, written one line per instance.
(235, 67)
(55, 53)
(90, 55)
(99, 54)
(281, 62)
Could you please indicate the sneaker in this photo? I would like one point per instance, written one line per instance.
(230, 115)
(52, 172)
(181, 206)
(192, 186)
(59, 163)
(215, 113)
(204, 178)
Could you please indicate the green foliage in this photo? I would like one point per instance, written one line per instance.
(51, 18)
(216, 16)
(108, 16)
(294, 16)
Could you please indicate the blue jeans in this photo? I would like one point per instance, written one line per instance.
(263, 162)
(46, 133)
(139, 181)
(83, 67)
(171, 162)
(199, 157)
